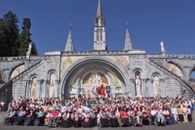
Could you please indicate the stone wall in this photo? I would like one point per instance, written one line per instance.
(127, 64)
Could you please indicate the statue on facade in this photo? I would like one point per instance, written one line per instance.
(156, 87)
(101, 91)
(162, 48)
(138, 86)
(52, 86)
(33, 89)
(29, 51)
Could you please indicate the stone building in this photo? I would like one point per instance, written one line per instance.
(129, 72)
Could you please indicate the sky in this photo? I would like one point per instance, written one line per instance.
(149, 23)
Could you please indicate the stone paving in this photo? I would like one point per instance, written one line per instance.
(180, 126)
(190, 126)
(2, 116)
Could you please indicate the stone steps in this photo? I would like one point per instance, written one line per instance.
(182, 82)
(18, 88)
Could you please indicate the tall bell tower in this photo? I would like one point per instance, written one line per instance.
(99, 30)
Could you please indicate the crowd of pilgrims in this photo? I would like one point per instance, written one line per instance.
(100, 112)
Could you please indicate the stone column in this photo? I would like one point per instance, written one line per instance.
(39, 89)
(28, 88)
(113, 91)
(46, 88)
(143, 87)
(186, 75)
(162, 88)
(148, 88)
(6, 72)
(151, 92)
(57, 88)
(42, 88)
(151, 88)
(132, 88)
(79, 90)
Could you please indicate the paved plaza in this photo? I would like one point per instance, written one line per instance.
(190, 126)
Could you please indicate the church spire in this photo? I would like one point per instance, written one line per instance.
(99, 30)
(99, 9)
(99, 15)
(128, 43)
(69, 43)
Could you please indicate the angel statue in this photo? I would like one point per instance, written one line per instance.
(29, 51)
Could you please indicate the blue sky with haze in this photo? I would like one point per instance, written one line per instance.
(149, 21)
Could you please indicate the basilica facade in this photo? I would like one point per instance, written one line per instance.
(129, 72)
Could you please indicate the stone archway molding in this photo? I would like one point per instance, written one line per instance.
(120, 69)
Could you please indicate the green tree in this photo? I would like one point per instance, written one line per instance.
(34, 49)
(9, 35)
(3, 45)
(25, 38)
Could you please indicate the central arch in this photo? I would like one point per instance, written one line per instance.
(78, 79)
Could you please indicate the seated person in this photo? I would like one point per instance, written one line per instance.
(30, 116)
(20, 116)
(11, 118)
(40, 117)
(113, 119)
(124, 117)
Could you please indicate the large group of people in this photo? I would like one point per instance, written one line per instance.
(101, 112)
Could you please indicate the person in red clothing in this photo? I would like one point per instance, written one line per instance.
(124, 117)
(102, 91)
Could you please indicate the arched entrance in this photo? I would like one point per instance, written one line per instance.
(90, 82)
(84, 78)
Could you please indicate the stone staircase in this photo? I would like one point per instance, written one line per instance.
(6, 89)
(17, 89)
(174, 91)
(189, 93)
(32, 67)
